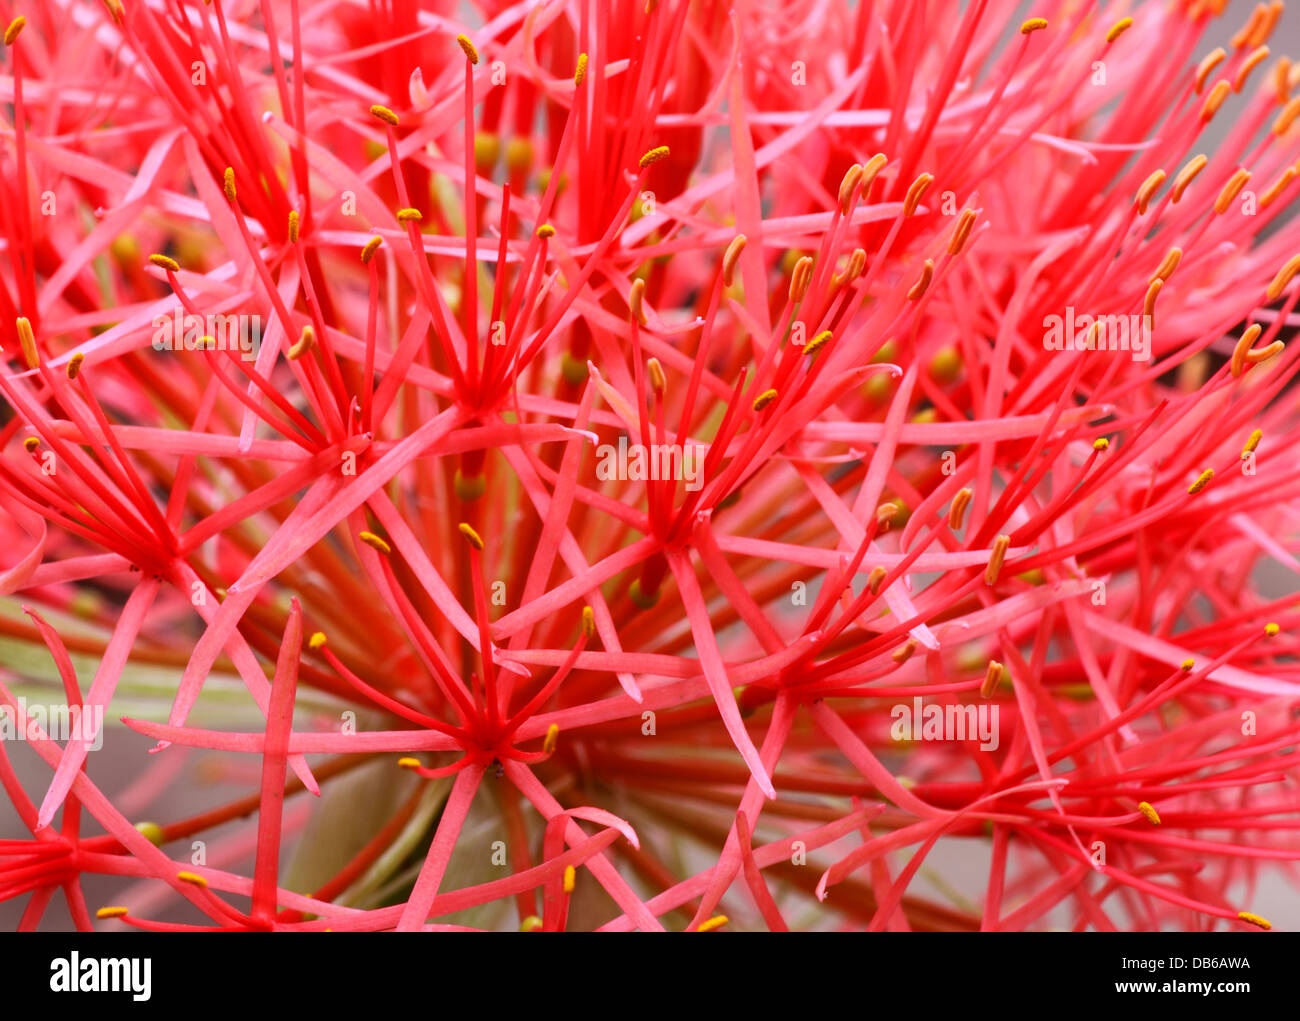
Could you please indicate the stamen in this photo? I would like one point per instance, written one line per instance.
(463, 42)
(1288, 115)
(904, 653)
(384, 114)
(716, 922)
(1231, 190)
(1201, 482)
(1168, 264)
(163, 262)
(74, 365)
(110, 912)
(552, 739)
(1243, 34)
(1289, 269)
(1147, 189)
(1152, 815)
(1188, 665)
(545, 231)
(12, 32)
(1252, 444)
(1208, 63)
(32, 444)
(1193, 167)
(654, 156)
(580, 72)
(409, 215)
(371, 246)
(228, 184)
(1033, 25)
(193, 878)
(317, 641)
(875, 579)
(636, 301)
(1253, 61)
(870, 169)
(531, 924)
(960, 233)
(764, 399)
(919, 288)
(1149, 302)
(27, 340)
(1243, 345)
(375, 542)
(915, 192)
(1215, 99)
(800, 279)
(957, 511)
(1282, 79)
(294, 221)
(992, 678)
(1100, 444)
(999, 553)
(589, 622)
(570, 878)
(1258, 920)
(818, 342)
(1277, 187)
(730, 257)
(471, 536)
(852, 177)
(1118, 29)
(304, 344)
(657, 380)
(407, 762)
(1271, 630)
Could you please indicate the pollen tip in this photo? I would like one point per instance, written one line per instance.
(1188, 665)
(294, 222)
(1118, 29)
(992, 678)
(716, 922)
(74, 365)
(1000, 545)
(1101, 443)
(1201, 482)
(1252, 443)
(1271, 630)
(408, 762)
(636, 301)
(317, 640)
(589, 622)
(165, 262)
(917, 189)
(552, 739)
(27, 340)
(764, 399)
(193, 878)
(228, 184)
(580, 72)
(531, 924)
(654, 156)
(1033, 25)
(305, 342)
(818, 342)
(384, 114)
(409, 215)
(1256, 920)
(371, 246)
(545, 231)
(730, 257)
(658, 381)
(109, 912)
(570, 878)
(32, 444)
(471, 52)
(15, 28)
(471, 536)
(1153, 817)
(375, 542)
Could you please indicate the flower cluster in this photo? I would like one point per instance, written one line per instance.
(648, 465)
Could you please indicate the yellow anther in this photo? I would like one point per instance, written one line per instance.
(1244, 34)
(1033, 25)
(164, 262)
(1282, 78)
(27, 340)
(115, 10)
(570, 878)
(1208, 63)
(636, 301)
(875, 579)
(658, 382)
(961, 232)
(870, 169)
(1215, 99)
(32, 444)
(112, 912)
(1168, 264)
(1244, 345)
(305, 342)
(1252, 444)
(531, 924)
(1201, 482)
(545, 231)
(152, 832)
(885, 515)
(552, 738)
(1231, 190)
(852, 178)
(1258, 920)
(992, 678)
(999, 553)
(1149, 301)
(1185, 176)
(384, 114)
(375, 542)
(914, 193)
(1284, 275)
(228, 184)
(1253, 61)
(317, 641)
(1118, 29)
(470, 52)
(818, 342)
(294, 222)
(904, 652)
(1266, 24)
(654, 156)
(800, 279)
(74, 365)
(471, 536)
(764, 399)
(1271, 630)
(1147, 189)
(730, 257)
(193, 878)
(1282, 123)
(957, 512)
(1153, 817)
(919, 288)
(409, 215)
(371, 247)
(1101, 443)
(589, 622)
(409, 762)
(716, 922)
(1270, 195)
(15, 27)
(1188, 665)
(580, 72)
